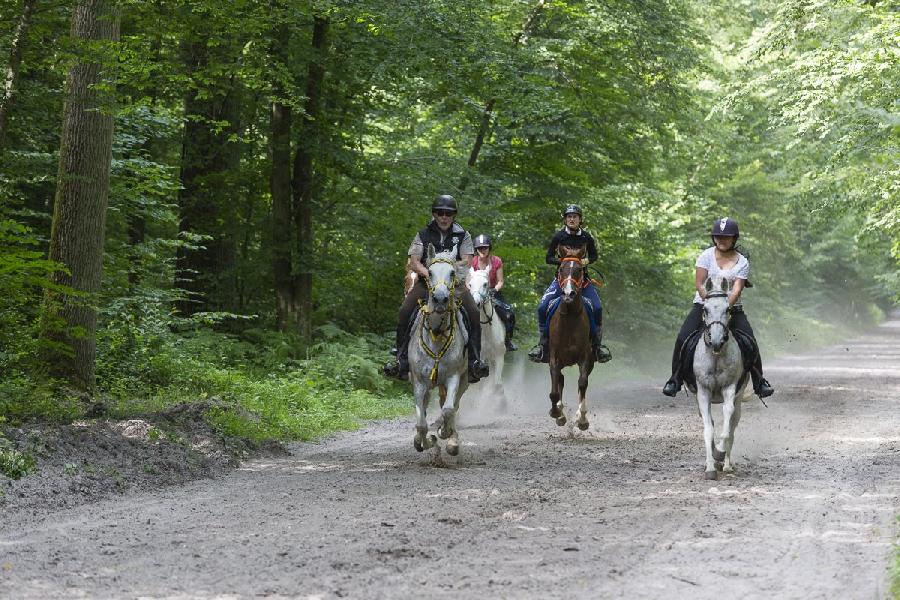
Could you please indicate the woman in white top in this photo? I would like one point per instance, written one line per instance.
(720, 260)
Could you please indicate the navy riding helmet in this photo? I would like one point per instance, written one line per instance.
(482, 241)
(725, 227)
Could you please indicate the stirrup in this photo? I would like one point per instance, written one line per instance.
(539, 354)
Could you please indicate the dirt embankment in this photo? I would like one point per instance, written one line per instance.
(525, 511)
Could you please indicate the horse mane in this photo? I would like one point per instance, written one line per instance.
(564, 251)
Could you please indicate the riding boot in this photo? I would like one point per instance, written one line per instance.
(399, 368)
(510, 346)
(541, 352)
(477, 367)
(601, 352)
(761, 387)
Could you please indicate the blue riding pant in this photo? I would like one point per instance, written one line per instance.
(588, 293)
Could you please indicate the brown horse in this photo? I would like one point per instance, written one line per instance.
(570, 341)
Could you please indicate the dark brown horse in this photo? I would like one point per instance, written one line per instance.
(570, 342)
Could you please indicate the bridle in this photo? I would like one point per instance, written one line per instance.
(446, 327)
(707, 334)
(561, 280)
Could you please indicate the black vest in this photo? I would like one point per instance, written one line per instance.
(432, 235)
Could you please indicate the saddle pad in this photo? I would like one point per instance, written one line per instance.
(556, 302)
(746, 344)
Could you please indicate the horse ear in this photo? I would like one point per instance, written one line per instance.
(708, 284)
(430, 255)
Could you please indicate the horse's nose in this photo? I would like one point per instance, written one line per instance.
(441, 297)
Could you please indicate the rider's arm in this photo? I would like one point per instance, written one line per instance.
(415, 262)
(591, 249)
(552, 258)
(736, 289)
(499, 272)
(699, 280)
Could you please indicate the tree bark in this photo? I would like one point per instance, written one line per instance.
(205, 201)
(304, 184)
(280, 121)
(79, 214)
(15, 61)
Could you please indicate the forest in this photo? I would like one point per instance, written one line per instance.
(213, 200)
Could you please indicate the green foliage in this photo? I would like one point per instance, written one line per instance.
(13, 463)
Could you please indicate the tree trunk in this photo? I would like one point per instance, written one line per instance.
(304, 184)
(15, 61)
(79, 214)
(280, 121)
(205, 201)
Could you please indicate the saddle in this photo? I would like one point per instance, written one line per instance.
(747, 345)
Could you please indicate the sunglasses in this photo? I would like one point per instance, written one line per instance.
(445, 213)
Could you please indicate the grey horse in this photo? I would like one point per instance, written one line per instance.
(437, 355)
(720, 376)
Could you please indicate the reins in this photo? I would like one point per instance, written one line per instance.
(448, 333)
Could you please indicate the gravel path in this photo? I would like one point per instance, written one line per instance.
(525, 511)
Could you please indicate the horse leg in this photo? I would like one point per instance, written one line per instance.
(584, 370)
(730, 425)
(556, 387)
(720, 449)
(703, 403)
(442, 398)
(448, 429)
(422, 440)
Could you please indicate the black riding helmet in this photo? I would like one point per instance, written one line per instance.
(444, 202)
(482, 241)
(572, 209)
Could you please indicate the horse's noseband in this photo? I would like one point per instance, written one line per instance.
(578, 282)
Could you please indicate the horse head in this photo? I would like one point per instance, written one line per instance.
(715, 313)
(441, 279)
(479, 285)
(570, 275)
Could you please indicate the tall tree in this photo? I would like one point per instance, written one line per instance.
(304, 180)
(79, 214)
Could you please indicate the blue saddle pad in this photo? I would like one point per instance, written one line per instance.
(555, 303)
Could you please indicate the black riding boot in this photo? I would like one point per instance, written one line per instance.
(761, 387)
(399, 368)
(477, 367)
(601, 352)
(673, 385)
(541, 352)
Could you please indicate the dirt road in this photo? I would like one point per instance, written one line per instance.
(525, 511)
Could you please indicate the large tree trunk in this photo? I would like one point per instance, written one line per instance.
(79, 215)
(15, 61)
(303, 182)
(280, 187)
(206, 203)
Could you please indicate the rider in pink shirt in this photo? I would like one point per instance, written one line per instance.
(484, 257)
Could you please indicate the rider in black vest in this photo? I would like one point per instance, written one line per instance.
(444, 234)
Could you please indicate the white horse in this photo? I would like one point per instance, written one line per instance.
(719, 371)
(493, 331)
(437, 353)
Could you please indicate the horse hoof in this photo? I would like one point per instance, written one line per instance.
(432, 441)
(445, 432)
(712, 475)
(561, 420)
(417, 444)
(718, 455)
(556, 411)
(452, 449)
(719, 465)
(584, 426)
